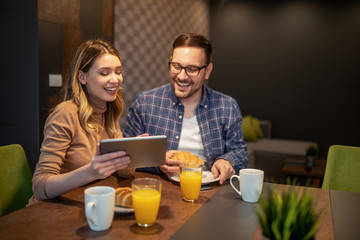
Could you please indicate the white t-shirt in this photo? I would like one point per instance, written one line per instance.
(190, 139)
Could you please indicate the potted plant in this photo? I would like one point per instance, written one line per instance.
(311, 153)
(288, 215)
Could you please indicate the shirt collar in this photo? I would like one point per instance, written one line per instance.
(204, 101)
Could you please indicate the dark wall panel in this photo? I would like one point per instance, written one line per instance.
(19, 122)
(294, 63)
(50, 62)
(90, 15)
(63, 26)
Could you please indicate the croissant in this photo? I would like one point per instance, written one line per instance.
(186, 157)
(123, 197)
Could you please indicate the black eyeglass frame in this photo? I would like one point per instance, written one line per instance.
(186, 67)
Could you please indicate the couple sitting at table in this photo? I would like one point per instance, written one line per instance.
(194, 118)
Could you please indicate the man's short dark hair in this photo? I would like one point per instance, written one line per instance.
(195, 40)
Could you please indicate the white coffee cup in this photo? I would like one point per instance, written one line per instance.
(99, 207)
(250, 184)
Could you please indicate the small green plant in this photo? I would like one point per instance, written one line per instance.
(288, 216)
(311, 151)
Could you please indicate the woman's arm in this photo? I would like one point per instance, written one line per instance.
(100, 167)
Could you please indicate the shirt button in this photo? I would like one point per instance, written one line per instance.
(177, 137)
(180, 117)
(173, 104)
(180, 104)
(205, 106)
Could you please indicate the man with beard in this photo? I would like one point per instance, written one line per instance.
(194, 117)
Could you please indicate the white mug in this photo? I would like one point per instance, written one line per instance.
(250, 184)
(99, 207)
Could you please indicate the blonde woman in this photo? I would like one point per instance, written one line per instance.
(70, 154)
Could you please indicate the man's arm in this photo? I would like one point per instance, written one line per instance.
(235, 154)
(133, 125)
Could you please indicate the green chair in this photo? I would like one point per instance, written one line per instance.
(342, 169)
(15, 179)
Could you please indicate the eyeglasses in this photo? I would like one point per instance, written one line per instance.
(191, 71)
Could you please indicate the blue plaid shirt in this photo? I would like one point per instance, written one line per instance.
(159, 112)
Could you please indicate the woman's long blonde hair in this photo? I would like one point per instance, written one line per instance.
(84, 58)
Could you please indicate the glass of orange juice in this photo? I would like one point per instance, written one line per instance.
(190, 180)
(146, 193)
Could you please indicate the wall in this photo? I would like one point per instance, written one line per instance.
(144, 32)
(19, 115)
(295, 63)
(54, 29)
(63, 26)
(41, 39)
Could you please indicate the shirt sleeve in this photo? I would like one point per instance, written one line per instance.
(57, 138)
(133, 125)
(235, 146)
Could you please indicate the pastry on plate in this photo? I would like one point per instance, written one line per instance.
(123, 197)
(186, 157)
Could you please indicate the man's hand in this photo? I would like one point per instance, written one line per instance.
(171, 166)
(223, 168)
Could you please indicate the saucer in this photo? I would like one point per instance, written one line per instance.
(122, 209)
(207, 178)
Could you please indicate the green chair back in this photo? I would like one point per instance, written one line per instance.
(15, 179)
(342, 169)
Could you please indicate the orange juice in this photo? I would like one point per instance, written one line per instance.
(190, 182)
(146, 203)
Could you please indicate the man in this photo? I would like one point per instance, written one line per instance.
(194, 117)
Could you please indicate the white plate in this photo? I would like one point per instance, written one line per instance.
(121, 209)
(207, 178)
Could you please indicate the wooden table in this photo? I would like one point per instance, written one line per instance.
(316, 175)
(219, 214)
(64, 217)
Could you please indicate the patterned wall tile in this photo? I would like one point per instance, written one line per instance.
(144, 31)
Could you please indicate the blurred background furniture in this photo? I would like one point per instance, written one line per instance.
(311, 178)
(270, 154)
(15, 179)
(343, 169)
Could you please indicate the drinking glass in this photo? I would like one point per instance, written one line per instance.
(190, 181)
(146, 193)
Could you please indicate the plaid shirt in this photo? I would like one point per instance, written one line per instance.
(159, 112)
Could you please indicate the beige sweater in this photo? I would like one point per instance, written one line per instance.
(66, 145)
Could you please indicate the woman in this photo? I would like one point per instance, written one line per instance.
(70, 154)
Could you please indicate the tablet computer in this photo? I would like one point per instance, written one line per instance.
(147, 151)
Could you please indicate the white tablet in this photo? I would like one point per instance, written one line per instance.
(143, 151)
